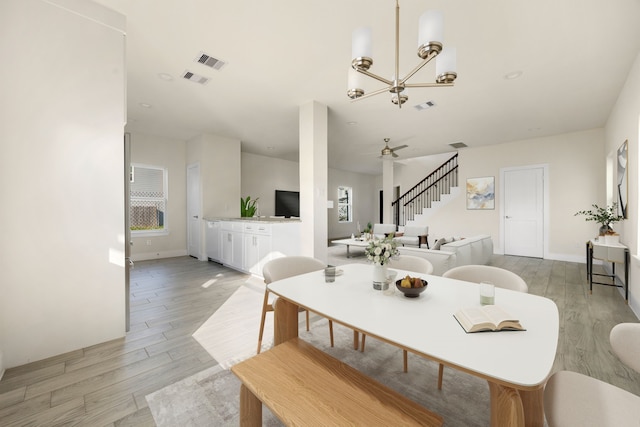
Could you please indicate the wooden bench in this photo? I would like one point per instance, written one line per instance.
(303, 385)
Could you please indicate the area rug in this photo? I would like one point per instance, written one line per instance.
(211, 397)
(230, 335)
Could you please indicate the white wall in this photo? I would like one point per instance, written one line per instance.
(624, 124)
(219, 160)
(61, 178)
(261, 176)
(170, 154)
(365, 201)
(576, 180)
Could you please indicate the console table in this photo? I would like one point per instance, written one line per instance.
(613, 253)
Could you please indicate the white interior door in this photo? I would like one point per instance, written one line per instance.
(524, 212)
(194, 220)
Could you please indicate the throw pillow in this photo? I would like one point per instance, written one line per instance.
(439, 242)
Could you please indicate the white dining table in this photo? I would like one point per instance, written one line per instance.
(516, 364)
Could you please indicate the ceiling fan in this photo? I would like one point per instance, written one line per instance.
(390, 151)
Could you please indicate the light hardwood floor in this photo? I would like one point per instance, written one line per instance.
(106, 384)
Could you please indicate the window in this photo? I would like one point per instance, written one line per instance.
(148, 195)
(345, 207)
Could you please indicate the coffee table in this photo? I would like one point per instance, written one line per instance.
(360, 243)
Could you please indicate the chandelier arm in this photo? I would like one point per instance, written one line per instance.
(396, 76)
(424, 62)
(428, 85)
(370, 94)
(374, 76)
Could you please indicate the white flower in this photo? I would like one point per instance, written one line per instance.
(380, 251)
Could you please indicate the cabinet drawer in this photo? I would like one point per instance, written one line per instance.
(257, 228)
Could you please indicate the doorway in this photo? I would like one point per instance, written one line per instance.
(193, 212)
(524, 210)
(396, 195)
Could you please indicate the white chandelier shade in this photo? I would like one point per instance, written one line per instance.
(430, 27)
(430, 46)
(361, 45)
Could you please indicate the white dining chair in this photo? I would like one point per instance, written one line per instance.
(500, 277)
(497, 276)
(409, 263)
(573, 399)
(282, 268)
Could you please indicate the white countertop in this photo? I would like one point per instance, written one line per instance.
(253, 219)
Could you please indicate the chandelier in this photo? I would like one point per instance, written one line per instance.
(429, 46)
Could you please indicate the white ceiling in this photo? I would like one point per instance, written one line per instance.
(574, 56)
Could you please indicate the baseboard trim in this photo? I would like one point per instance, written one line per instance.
(146, 256)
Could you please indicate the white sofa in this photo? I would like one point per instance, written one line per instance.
(468, 251)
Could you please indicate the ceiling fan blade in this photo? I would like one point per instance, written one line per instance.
(394, 154)
(399, 147)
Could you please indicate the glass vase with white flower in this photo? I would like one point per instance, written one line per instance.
(380, 252)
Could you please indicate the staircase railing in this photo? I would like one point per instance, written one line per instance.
(426, 191)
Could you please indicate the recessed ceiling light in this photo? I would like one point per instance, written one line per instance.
(271, 148)
(352, 123)
(513, 75)
(144, 105)
(165, 76)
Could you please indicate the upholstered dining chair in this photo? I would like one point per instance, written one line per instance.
(573, 399)
(499, 277)
(281, 268)
(409, 263)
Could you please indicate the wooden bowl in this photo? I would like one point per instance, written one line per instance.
(411, 292)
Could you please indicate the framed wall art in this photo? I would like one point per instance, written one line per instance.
(623, 179)
(481, 193)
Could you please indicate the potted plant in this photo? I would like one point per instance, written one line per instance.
(606, 217)
(367, 231)
(248, 207)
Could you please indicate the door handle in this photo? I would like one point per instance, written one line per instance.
(507, 217)
(195, 216)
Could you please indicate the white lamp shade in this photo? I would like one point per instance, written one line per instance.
(430, 27)
(355, 79)
(446, 61)
(361, 43)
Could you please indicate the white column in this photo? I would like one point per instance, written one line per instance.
(313, 180)
(387, 189)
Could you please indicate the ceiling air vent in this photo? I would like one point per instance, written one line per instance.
(195, 78)
(424, 105)
(457, 145)
(209, 61)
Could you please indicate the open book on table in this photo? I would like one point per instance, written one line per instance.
(487, 318)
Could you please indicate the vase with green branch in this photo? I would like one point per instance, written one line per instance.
(248, 207)
(606, 217)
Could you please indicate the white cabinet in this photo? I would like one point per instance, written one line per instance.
(248, 245)
(257, 247)
(231, 244)
(212, 240)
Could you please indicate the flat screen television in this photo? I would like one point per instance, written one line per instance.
(287, 203)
